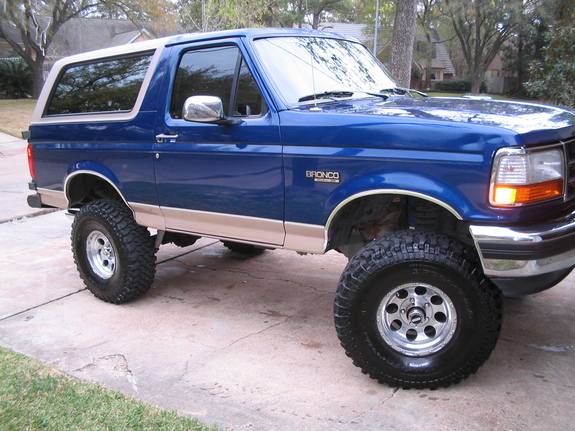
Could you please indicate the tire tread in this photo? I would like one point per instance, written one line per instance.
(413, 245)
(134, 244)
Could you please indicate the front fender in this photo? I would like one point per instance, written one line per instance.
(398, 183)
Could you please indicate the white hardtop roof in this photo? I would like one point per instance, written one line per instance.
(154, 44)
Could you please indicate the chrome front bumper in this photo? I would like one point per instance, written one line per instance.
(526, 251)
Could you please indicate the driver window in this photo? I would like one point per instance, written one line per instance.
(217, 71)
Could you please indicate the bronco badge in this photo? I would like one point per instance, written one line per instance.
(323, 176)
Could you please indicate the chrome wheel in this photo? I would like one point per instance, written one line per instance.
(414, 310)
(101, 254)
(416, 319)
(114, 255)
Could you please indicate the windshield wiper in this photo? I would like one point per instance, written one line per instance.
(326, 95)
(338, 94)
(403, 91)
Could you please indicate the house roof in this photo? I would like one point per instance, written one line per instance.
(87, 34)
(441, 59)
(350, 30)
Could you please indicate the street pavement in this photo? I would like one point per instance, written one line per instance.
(248, 343)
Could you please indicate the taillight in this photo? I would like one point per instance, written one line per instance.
(31, 162)
(527, 176)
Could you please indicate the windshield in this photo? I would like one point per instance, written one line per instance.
(300, 67)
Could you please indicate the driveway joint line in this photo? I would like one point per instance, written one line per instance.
(30, 216)
(41, 305)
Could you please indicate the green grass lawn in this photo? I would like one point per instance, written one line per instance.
(15, 115)
(34, 397)
(442, 94)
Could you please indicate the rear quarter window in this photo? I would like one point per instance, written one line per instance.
(110, 85)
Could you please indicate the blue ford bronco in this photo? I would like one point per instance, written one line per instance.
(301, 140)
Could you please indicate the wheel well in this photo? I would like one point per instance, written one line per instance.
(85, 188)
(369, 217)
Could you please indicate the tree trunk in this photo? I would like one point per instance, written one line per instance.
(315, 20)
(38, 77)
(428, 61)
(402, 42)
(521, 65)
(475, 82)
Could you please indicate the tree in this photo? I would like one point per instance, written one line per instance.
(317, 8)
(427, 16)
(365, 12)
(202, 16)
(526, 47)
(207, 15)
(310, 13)
(553, 76)
(29, 26)
(482, 27)
(402, 42)
(159, 17)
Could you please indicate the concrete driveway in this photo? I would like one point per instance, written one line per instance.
(249, 343)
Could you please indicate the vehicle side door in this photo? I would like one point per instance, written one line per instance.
(220, 180)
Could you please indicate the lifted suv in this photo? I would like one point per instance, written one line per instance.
(301, 140)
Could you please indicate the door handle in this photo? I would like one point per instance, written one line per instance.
(166, 139)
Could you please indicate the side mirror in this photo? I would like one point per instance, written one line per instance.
(206, 109)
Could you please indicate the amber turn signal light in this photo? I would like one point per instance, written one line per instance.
(524, 194)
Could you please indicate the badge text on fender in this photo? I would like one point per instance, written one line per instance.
(323, 176)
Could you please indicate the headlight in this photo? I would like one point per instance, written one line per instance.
(521, 176)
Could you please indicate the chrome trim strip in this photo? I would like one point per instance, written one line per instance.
(228, 226)
(94, 173)
(305, 238)
(390, 192)
(148, 215)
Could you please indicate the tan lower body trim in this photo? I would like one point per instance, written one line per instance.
(148, 215)
(305, 238)
(53, 198)
(300, 237)
(225, 226)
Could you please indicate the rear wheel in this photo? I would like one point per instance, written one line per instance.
(413, 310)
(114, 256)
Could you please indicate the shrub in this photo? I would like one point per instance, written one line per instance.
(456, 85)
(15, 80)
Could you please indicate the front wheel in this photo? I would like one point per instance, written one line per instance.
(412, 310)
(114, 256)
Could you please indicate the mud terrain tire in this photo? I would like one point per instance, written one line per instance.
(114, 256)
(414, 310)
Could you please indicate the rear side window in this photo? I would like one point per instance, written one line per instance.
(106, 86)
